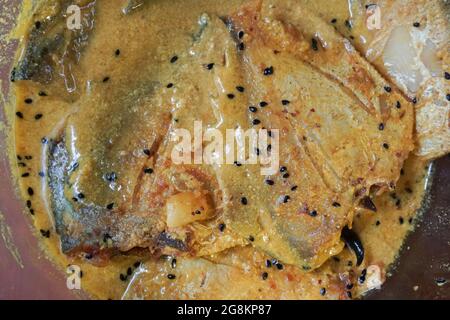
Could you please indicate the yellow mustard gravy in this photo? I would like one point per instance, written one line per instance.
(157, 31)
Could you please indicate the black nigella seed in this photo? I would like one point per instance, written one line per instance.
(268, 71)
(171, 276)
(230, 96)
(286, 199)
(377, 223)
(117, 53)
(283, 169)
(314, 44)
(45, 233)
(387, 89)
(251, 238)
(28, 101)
(381, 126)
(240, 88)
(26, 174)
(42, 94)
(323, 291)
(148, 170)
(398, 105)
(106, 79)
(348, 24)
(240, 34)
(169, 85)
(286, 175)
(336, 204)
(401, 220)
(334, 20)
(110, 206)
(268, 263)
(38, 24)
(237, 164)
(362, 277)
(416, 24)
(30, 191)
(209, 66)
(349, 294)
(19, 114)
(279, 266)
(19, 158)
(447, 75)
(256, 122)
(74, 199)
(146, 152)
(448, 96)
(13, 75)
(252, 109)
(264, 275)
(294, 188)
(241, 46)
(129, 271)
(313, 213)
(111, 176)
(106, 237)
(38, 116)
(222, 227)
(28, 204)
(32, 212)
(80, 196)
(173, 263)
(285, 102)
(123, 277)
(263, 104)
(44, 140)
(28, 157)
(386, 146)
(270, 182)
(173, 59)
(414, 100)
(244, 201)
(74, 166)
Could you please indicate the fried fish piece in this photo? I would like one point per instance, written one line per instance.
(239, 273)
(339, 130)
(52, 49)
(116, 152)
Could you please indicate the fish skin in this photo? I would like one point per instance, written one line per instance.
(52, 45)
